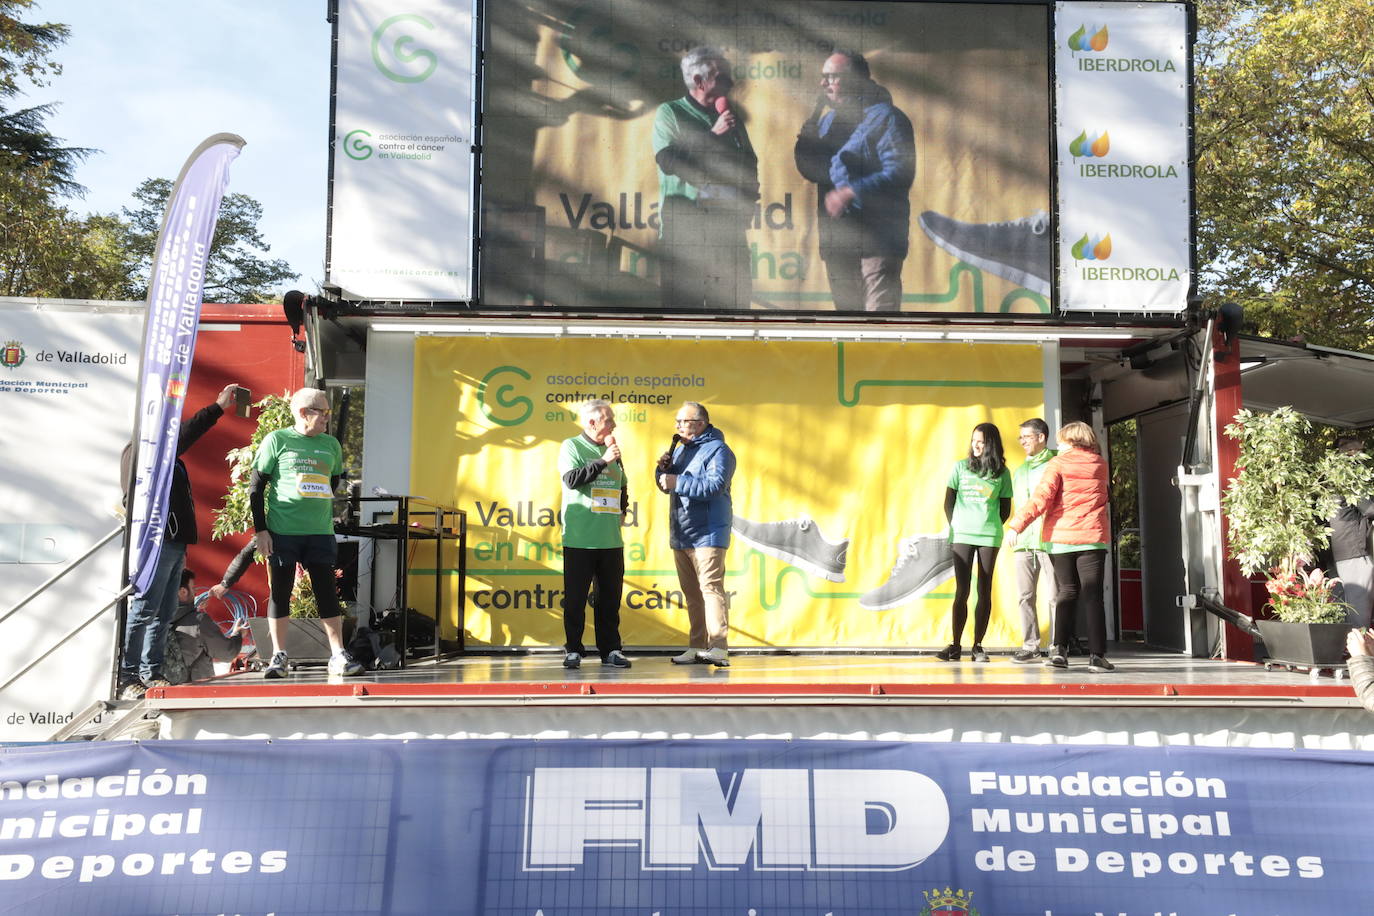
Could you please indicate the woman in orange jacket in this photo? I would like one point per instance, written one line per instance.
(1072, 496)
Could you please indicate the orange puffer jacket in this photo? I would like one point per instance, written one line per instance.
(1072, 495)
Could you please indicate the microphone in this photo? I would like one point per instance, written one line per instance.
(723, 107)
(610, 440)
(664, 461)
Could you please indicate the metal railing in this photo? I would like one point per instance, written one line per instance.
(25, 669)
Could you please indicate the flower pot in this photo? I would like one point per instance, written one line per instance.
(1315, 644)
(305, 640)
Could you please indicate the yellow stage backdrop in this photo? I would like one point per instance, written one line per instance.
(857, 437)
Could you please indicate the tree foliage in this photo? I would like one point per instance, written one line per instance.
(46, 250)
(1285, 163)
(234, 271)
(26, 145)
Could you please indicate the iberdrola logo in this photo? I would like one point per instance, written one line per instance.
(1090, 146)
(1092, 249)
(948, 902)
(12, 356)
(1082, 40)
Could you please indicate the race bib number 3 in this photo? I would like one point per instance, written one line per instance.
(605, 500)
(313, 486)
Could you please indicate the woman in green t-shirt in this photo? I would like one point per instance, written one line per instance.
(977, 503)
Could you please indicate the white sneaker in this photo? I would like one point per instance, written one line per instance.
(276, 668)
(341, 664)
(718, 657)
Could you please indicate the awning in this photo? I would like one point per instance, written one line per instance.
(1335, 387)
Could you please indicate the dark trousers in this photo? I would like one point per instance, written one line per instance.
(964, 557)
(581, 567)
(704, 259)
(1079, 576)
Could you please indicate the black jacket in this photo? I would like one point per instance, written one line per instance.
(1350, 530)
(181, 508)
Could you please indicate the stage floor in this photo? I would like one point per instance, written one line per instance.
(1153, 698)
(1137, 668)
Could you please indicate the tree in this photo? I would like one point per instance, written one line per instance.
(25, 143)
(45, 250)
(1285, 161)
(234, 272)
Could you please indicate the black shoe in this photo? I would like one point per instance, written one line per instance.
(978, 655)
(1021, 656)
(950, 653)
(1058, 658)
(616, 659)
(1098, 665)
(572, 660)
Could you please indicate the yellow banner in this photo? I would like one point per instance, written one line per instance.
(843, 450)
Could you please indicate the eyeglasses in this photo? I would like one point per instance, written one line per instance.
(831, 77)
(325, 411)
(688, 420)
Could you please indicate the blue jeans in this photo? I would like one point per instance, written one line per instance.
(150, 617)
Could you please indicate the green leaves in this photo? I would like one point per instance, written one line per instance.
(234, 271)
(1286, 488)
(1285, 158)
(235, 514)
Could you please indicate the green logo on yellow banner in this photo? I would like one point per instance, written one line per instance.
(355, 146)
(401, 51)
(490, 393)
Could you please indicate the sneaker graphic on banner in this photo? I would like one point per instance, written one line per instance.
(797, 541)
(1017, 250)
(923, 562)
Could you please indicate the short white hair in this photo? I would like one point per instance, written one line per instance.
(695, 62)
(595, 405)
(306, 397)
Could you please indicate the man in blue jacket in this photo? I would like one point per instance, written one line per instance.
(861, 153)
(695, 473)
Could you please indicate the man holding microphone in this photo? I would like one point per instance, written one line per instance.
(695, 473)
(595, 497)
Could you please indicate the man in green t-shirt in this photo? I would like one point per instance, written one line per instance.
(595, 498)
(291, 494)
(708, 184)
(1032, 562)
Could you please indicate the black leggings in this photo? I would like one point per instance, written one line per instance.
(1079, 576)
(963, 575)
(282, 577)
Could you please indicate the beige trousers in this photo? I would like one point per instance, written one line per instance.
(701, 572)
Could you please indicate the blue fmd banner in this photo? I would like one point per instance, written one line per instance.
(745, 828)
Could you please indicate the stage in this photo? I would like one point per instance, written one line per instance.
(1152, 698)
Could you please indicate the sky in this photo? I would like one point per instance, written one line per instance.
(145, 81)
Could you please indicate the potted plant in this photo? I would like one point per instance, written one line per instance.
(1286, 487)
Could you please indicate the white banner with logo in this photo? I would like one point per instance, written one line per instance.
(401, 219)
(67, 379)
(1121, 123)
